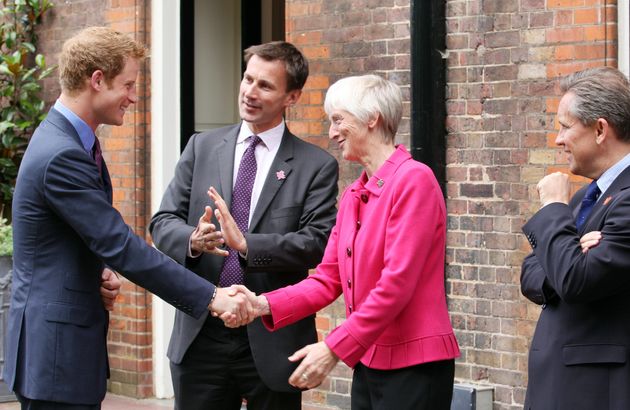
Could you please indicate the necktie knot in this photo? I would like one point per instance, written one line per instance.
(589, 200)
(592, 192)
(254, 141)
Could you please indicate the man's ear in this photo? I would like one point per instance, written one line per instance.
(97, 81)
(293, 97)
(601, 130)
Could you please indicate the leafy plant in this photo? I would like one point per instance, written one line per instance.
(6, 238)
(21, 72)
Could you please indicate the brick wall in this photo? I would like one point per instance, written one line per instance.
(503, 57)
(126, 152)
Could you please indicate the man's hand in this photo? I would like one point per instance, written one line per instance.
(590, 240)
(318, 361)
(233, 236)
(110, 288)
(232, 305)
(554, 188)
(206, 238)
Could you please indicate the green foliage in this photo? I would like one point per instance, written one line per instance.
(6, 238)
(21, 72)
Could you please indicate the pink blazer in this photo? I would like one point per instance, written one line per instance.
(386, 255)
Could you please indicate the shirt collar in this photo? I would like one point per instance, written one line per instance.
(605, 181)
(384, 174)
(271, 138)
(85, 132)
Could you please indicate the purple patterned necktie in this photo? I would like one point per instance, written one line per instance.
(232, 272)
(98, 155)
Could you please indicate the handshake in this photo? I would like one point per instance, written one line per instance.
(238, 306)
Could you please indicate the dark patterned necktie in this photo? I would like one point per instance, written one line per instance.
(98, 155)
(589, 200)
(232, 272)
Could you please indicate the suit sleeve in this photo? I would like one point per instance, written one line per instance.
(73, 191)
(583, 277)
(304, 248)
(169, 226)
(534, 284)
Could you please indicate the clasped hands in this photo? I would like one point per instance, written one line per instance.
(237, 306)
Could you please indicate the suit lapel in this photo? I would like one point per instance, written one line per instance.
(225, 159)
(107, 182)
(277, 176)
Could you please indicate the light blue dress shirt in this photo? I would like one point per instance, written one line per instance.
(85, 132)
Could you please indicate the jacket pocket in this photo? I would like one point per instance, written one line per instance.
(76, 315)
(593, 354)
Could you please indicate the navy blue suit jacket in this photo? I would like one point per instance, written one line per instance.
(65, 231)
(579, 356)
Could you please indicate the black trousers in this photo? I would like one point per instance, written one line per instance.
(427, 386)
(218, 372)
(28, 404)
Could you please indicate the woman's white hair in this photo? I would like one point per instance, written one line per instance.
(365, 97)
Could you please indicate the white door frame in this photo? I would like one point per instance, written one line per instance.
(623, 36)
(165, 149)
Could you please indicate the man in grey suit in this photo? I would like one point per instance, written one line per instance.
(286, 225)
(579, 270)
(65, 230)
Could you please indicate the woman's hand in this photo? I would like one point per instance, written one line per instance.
(590, 240)
(317, 361)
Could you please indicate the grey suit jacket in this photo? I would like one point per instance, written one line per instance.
(579, 356)
(287, 234)
(65, 230)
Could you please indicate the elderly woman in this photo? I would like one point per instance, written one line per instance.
(386, 256)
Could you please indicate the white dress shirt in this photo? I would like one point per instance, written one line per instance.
(265, 154)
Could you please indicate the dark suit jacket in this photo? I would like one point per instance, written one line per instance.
(65, 229)
(287, 234)
(579, 354)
